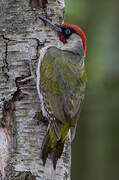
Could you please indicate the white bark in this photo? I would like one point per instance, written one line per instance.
(22, 34)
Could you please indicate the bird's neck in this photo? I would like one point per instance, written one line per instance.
(74, 44)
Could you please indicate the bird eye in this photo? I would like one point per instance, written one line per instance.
(67, 31)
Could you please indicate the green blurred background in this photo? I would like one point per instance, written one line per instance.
(95, 152)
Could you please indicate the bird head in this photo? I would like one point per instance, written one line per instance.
(67, 31)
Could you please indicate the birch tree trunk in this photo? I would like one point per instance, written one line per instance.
(22, 34)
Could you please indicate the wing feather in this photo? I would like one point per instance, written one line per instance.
(62, 83)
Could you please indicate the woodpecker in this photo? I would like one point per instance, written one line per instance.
(61, 82)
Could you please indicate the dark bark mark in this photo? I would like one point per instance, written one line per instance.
(24, 176)
(8, 109)
(37, 4)
(6, 54)
(6, 68)
(6, 65)
(37, 49)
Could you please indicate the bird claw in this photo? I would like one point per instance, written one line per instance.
(41, 118)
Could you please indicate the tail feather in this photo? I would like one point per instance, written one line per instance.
(53, 144)
(46, 149)
(54, 148)
(57, 153)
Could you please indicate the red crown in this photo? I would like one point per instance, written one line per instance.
(80, 32)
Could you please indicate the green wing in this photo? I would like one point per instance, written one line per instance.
(63, 81)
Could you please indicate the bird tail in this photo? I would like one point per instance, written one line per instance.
(51, 146)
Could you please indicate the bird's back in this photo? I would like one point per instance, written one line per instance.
(62, 82)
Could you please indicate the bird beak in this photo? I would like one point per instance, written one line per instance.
(55, 26)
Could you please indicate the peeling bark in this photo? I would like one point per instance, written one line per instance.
(22, 129)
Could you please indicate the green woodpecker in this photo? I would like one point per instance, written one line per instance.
(61, 82)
